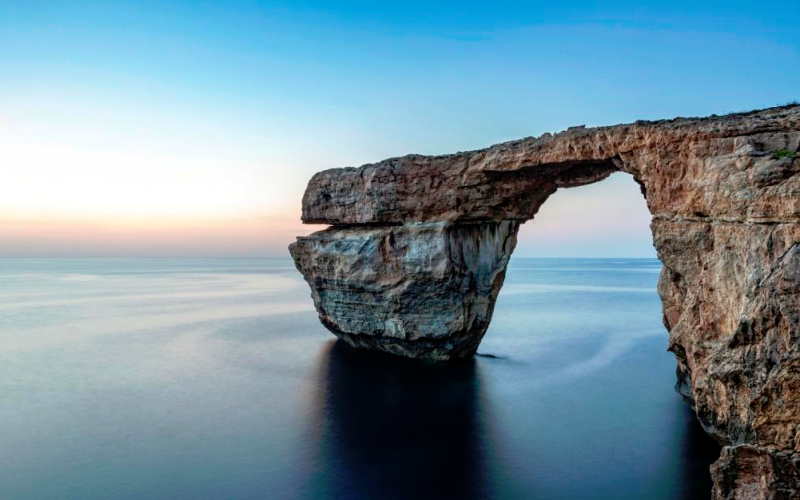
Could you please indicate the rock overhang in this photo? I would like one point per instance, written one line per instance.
(507, 180)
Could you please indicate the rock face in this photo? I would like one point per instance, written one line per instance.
(419, 290)
(418, 248)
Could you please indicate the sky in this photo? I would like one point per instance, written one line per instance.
(191, 128)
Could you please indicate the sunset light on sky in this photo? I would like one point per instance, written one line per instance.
(191, 129)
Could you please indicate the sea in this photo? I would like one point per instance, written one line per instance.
(210, 379)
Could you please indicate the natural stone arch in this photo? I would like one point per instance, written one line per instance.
(419, 245)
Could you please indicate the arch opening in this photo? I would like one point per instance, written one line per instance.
(578, 323)
(608, 218)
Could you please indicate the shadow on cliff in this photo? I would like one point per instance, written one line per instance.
(396, 428)
(697, 452)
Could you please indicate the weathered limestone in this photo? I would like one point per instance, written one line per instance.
(720, 168)
(422, 290)
(419, 246)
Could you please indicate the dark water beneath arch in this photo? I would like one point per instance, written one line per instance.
(209, 379)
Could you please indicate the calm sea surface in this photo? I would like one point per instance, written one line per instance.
(212, 379)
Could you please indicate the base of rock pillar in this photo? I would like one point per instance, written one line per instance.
(416, 349)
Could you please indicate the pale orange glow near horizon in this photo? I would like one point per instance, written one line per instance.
(76, 183)
(605, 219)
(235, 236)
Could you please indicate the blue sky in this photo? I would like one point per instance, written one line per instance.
(194, 126)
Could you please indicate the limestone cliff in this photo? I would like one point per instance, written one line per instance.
(418, 248)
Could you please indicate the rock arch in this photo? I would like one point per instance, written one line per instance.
(418, 247)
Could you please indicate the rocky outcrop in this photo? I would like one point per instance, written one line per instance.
(418, 248)
(422, 290)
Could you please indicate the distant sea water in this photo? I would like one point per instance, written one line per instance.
(213, 379)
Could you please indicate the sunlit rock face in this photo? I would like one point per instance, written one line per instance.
(418, 248)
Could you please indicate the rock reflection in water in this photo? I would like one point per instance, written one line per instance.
(396, 428)
(386, 427)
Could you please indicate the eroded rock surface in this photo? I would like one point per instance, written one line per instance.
(419, 290)
(418, 248)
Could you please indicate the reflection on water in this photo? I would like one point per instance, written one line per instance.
(213, 379)
(393, 428)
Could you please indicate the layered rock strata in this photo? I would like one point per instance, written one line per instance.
(418, 248)
(423, 290)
